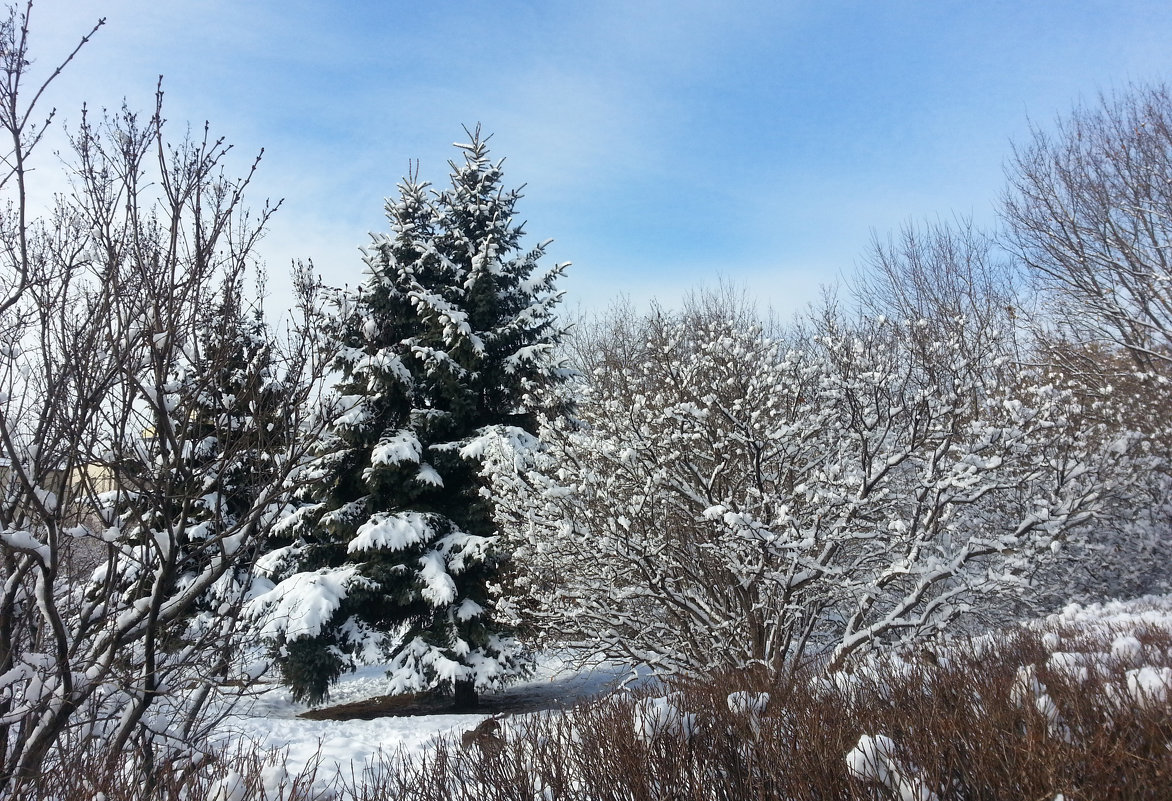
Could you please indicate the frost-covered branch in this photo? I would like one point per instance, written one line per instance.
(150, 429)
(726, 499)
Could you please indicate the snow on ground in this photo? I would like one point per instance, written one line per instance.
(271, 720)
(346, 747)
(1152, 610)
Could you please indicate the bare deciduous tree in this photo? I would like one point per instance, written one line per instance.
(1089, 213)
(949, 275)
(121, 519)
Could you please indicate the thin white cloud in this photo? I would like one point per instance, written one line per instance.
(661, 141)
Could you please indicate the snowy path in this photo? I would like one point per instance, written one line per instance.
(271, 721)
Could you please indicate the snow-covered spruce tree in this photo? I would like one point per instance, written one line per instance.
(221, 399)
(396, 556)
(231, 420)
(204, 480)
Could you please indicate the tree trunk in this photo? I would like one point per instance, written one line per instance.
(464, 695)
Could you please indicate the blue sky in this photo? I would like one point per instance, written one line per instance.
(664, 145)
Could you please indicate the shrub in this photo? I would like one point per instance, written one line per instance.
(1007, 716)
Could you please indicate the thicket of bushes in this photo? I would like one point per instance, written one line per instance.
(995, 718)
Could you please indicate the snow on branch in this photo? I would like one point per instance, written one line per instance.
(724, 500)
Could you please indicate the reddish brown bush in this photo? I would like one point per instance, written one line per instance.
(965, 723)
(1028, 714)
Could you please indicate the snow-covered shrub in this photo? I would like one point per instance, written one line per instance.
(961, 288)
(1127, 553)
(728, 499)
(874, 759)
(662, 717)
(1088, 216)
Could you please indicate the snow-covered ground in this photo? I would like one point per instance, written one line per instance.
(346, 747)
(272, 719)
